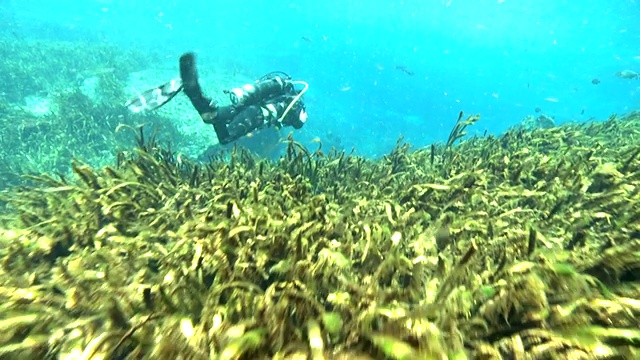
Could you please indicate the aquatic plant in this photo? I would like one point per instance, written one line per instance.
(525, 244)
(76, 122)
(34, 66)
(78, 128)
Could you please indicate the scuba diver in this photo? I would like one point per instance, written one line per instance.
(272, 101)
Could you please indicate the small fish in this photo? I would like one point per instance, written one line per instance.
(305, 38)
(537, 110)
(405, 70)
(595, 81)
(628, 74)
(582, 112)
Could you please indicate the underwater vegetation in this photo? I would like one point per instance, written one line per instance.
(520, 246)
(78, 127)
(77, 96)
(35, 66)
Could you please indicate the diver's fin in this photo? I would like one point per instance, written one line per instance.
(156, 97)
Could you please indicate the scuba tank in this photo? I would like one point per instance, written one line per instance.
(267, 87)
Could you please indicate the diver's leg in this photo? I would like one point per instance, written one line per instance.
(189, 75)
(207, 108)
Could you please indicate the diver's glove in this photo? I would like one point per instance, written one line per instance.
(285, 112)
(296, 118)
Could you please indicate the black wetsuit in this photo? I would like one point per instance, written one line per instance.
(253, 113)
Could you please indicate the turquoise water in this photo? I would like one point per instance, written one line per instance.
(500, 58)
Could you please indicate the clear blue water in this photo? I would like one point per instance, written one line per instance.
(501, 59)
